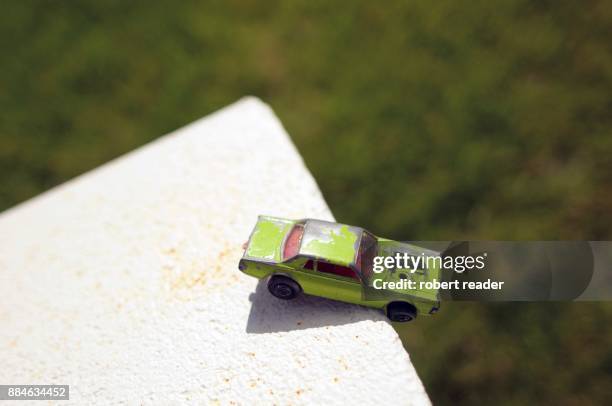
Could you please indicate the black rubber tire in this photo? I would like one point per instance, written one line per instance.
(401, 312)
(283, 287)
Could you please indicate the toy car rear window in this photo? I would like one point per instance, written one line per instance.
(292, 244)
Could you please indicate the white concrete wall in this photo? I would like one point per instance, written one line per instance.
(123, 283)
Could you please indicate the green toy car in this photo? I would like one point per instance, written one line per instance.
(335, 261)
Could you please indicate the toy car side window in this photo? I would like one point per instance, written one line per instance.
(309, 264)
(333, 269)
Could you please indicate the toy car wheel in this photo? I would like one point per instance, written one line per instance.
(401, 312)
(283, 287)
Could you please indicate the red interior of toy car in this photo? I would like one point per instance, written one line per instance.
(292, 244)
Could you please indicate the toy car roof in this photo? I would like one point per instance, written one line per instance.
(335, 242)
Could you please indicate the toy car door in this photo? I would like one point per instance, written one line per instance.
(336, 281)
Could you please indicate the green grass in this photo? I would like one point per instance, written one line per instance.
(420, 120)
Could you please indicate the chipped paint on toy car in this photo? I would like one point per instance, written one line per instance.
(335, 242)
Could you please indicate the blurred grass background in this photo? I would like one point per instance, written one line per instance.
(420, 120)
